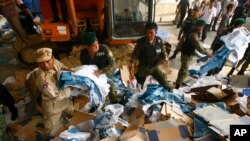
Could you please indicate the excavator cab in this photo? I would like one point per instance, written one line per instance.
(119, 21)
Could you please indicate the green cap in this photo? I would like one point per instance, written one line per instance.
(239, 21)
(88, 38)
(200, 22)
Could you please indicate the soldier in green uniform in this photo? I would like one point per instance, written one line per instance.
(99, 55)
(188, 50)
(55, 102)
(185, 28)
(152, 57)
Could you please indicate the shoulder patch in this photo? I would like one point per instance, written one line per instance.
(45, 85)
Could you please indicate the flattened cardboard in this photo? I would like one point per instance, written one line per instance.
(240, 81)
(217, 93)
(79, 117)
(113, 138)
(203, 89)
(131, 133)
(167, 130)
(137, 117)
(80, 101)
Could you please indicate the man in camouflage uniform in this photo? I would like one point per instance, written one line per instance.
(185, 28)
(188, 50)
(99, 55)
(152, 57)
(55, 102)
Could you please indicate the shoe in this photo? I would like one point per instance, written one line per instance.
(213, 30)
(172, 57)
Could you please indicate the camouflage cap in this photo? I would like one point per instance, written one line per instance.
(200, 22)
(43, 54)
(88, 38)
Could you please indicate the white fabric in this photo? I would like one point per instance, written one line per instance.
(101, 81)
(82, 136)
(208, 14)
(238, 41)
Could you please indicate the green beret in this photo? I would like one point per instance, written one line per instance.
(239, 21)
(88, 38)
(200, 22)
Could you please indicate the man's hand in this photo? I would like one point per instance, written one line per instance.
(96, 73)
(209, 55)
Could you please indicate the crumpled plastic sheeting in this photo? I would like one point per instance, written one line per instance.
(105, 120)
(88, 71)
(74, 134)
(96, 93)
(237, 40)
(156, 94)
(236, 44)
(215, 62)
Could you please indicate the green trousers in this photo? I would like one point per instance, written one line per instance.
(158, 72)
(183, 72)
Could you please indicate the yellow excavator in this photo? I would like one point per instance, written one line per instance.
(116, 22)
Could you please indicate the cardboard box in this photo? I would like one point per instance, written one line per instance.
(113, 138)
(217, 93)
(203, 89)
(167, 131)
(137, 117)
(240, 81)
(79, 117)
(80, 101)
(133, 133)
